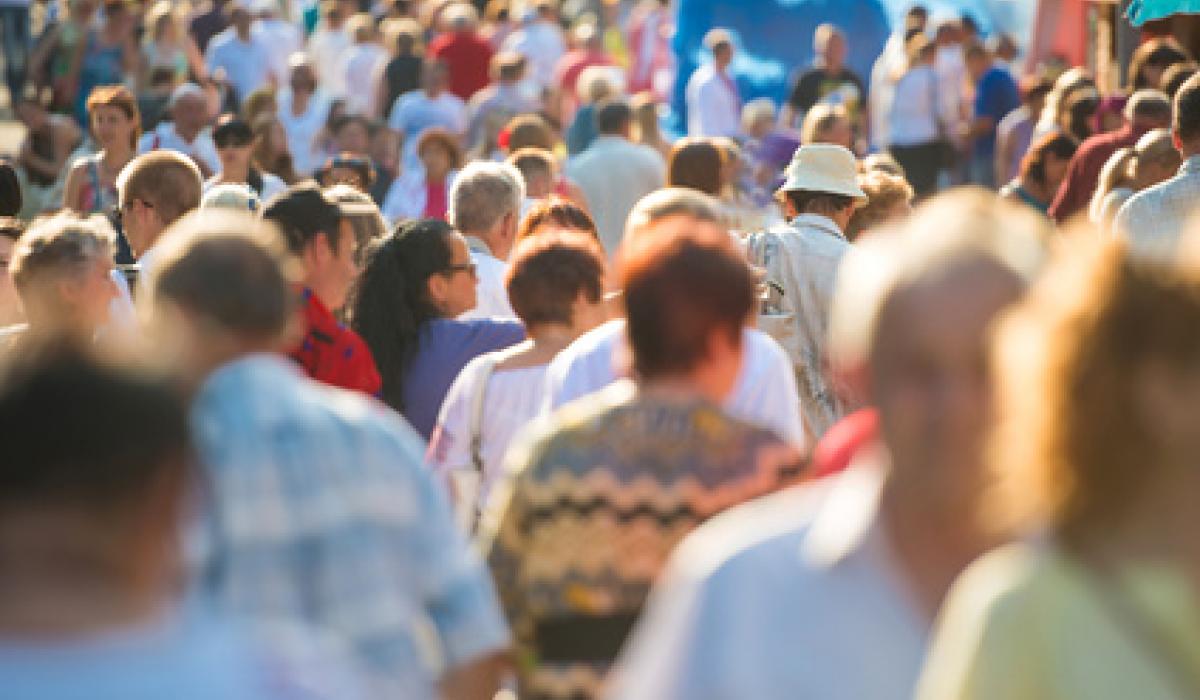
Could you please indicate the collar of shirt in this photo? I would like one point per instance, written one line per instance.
(817, 221)
(478, 246)
(847, 521)
(256, 369)
(1191, 166)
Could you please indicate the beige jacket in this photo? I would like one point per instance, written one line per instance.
(801, 260)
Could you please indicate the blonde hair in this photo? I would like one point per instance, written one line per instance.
(884, 192)
(1074, 453)
(819, 120)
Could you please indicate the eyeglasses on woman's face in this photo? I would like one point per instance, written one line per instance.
(468, 268)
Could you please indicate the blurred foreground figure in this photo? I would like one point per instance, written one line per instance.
(594, 501)
(828, 590)
(89, 559)
(320, 508)
(1101, 459)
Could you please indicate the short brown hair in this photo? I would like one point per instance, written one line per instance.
(549, 272)
(1187, 110)
(169, 181)
(679, 288)
(232, 269)
(696, 163)
(120, 97)
(884, 192)
(529, 131)
(556, 211)
(438, 136)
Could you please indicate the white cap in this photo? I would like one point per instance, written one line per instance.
(232, 196)
(823, 167)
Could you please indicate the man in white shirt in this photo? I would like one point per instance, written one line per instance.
(282, 38)
(485, 206)
(187, 132)
(303, 110)
(828, 590)
(614, 173)
(432, 105)
(1153, 220)
(361, 65)
(541, 42)
(243, 57)
(801, 260)
(326, 47)
(714, 107)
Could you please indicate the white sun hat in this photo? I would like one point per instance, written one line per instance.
(823, 167)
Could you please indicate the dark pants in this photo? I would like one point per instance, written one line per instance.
(14, 37)
(921, 164)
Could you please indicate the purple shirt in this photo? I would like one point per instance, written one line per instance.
(446, 346)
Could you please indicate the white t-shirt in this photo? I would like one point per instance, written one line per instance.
(490, 293)
(713, 106)
(765, 393)
(302, 130)
(247, 63)
(200, 148)
(325, 49)
(513, 399)
(281, 38)
(360, 66)
(542, 45)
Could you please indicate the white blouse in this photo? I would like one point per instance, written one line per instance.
(513, 399)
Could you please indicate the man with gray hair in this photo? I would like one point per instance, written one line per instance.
(765, 391)
(485, 207)
(320, 511)
(784, 590)
(188, 131)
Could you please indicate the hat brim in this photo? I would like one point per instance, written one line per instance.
(815, 183)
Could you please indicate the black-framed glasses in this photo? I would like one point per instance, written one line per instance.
(120, 211)
(468, 268)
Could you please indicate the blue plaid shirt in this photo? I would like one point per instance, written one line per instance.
(321, 510)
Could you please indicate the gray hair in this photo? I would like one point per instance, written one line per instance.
(671, 201)
(952, 230)
(755, 110)
(482, 194)
(360, 210)
(58, 245)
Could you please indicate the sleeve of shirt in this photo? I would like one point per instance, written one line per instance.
(804, 94)
(981, 649)
(458, 593)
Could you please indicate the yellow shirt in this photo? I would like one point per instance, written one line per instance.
(1029, 623)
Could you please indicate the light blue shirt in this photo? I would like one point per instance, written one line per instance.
(791, 596)
(183, 655)
(323, 512)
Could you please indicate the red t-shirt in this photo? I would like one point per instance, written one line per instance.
(1083, 172)
(467, 57)
(435, 200)
(334, 354)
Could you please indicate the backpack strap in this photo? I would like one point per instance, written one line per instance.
(488, 365)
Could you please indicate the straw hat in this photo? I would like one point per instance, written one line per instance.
(823, 167)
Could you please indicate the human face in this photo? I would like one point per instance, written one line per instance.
(929, 380)
(436, 161)
(1056, 170)
(353, 138)
(90, 294)
(344, 268)
(10, 304)
(839, 133)
(453, 289)
(111, 127)
(235, 158)
(835, 51)
(140, 222)
(190, 115)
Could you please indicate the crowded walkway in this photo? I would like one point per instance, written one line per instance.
(492, 350)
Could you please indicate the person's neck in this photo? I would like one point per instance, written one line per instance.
(300, 102)
(488, 239)
(236, 176)
(932, 545)
(56, 580)
(243, 36)
(436, 176)
(1037, 190)
(187, 133)
(683, 388)
(116, 155)
(1160, 524)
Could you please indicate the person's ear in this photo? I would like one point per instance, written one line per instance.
(438, 288)
(320, 249)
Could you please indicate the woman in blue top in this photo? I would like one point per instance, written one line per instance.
(106, 56)
(1042, 171)
(415, 283)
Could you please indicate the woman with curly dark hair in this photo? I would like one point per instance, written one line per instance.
(415, 283)
(1042, 171)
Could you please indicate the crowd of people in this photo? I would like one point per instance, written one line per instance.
(402, 350)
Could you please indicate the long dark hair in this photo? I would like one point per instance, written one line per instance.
(391, 301)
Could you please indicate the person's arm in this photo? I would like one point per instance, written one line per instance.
(195, 59)
(72, 188)
(476, 680)
(1003, 155)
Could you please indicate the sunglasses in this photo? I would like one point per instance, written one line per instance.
(468, 268)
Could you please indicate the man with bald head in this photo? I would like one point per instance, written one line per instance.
(188, 131)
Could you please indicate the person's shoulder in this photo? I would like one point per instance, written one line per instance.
(754, 536)
(1011, 583)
